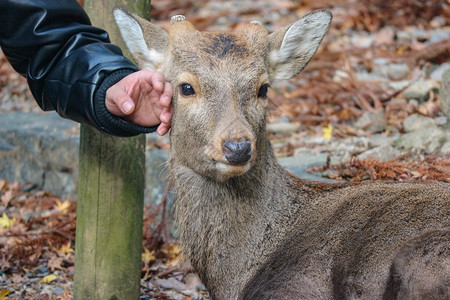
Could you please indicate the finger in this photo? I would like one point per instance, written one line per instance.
(118, 102)
(157, 80)
(166, 116)
(166, 97)
(162, 129)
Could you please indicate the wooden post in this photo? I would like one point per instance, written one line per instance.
(110, 195)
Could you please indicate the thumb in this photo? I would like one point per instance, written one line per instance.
(119, 103)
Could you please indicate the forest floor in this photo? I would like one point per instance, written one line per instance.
(369, 99)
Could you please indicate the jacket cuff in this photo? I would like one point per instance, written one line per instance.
(109, 122)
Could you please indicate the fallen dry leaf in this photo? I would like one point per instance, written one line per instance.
(4, 294)
(6, 197)
(55, 263)
(6, 222)
(148, 256)
(65, 248)
(62, 207)
(48, 278)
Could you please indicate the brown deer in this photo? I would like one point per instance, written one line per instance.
(251, 229)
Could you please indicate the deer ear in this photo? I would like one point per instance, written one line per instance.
(292, 47)
(147, 42)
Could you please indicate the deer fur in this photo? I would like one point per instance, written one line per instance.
(251, 229)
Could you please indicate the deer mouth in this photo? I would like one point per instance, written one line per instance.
(228, 164)
(232, 170)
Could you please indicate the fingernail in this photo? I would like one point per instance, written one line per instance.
(127, 106)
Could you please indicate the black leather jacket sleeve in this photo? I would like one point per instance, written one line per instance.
(68, 63)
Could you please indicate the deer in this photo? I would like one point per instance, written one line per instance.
(253, 230)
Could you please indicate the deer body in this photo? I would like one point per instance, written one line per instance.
(249, 228)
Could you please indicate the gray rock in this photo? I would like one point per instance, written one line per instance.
(340, 76)
(61, 183)
(362, 40)
(282, 127)
(171, 283)
(370, 77)
(445, 93)
(440, 121)
(372, 121)
(439, 71)
(438, 35)
(380, 140)
(173, 295)
(380, 153)
(398, 71)
(419, 90)
(445, 148)
(42, 150)
(398, 85)
(404, 36)
(417, 121)
(155, 175)
(426, 139)
(420, 34)
(381, 61)
(393, 71)
(305, 151)
(39, 149)
(438, 21)
(299, 164)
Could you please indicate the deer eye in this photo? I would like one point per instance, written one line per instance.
(186, 89)
(262, 93)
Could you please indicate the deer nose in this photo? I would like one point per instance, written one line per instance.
(237, 153)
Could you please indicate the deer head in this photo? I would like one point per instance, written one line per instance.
(220, 84)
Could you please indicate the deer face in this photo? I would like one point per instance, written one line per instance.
(220, 84)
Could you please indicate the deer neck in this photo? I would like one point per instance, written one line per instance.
(222, 223)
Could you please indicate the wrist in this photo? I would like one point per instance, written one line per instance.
(109, 122)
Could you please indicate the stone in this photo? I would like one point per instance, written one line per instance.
(171, 283)
(426, 139)
(393, 71)
(372, 121)
(445, 93)
(441, 121)
(155, 175)
(417, 121)
(299, 164)
(40, 149)
(340, 76)
(381, 153)
(437, 74)
(419, 90)
(370, 77)
(404, 36)
(381, 61)
(398, 71)
(282, 127)
(420, 34)
(362, 40)
(445, 148)
(304, 151)
(173, 295)
(380, 140)
(398, 85)
(437, 21)
(438, 35)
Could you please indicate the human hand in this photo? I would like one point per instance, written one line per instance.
(143, 98)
